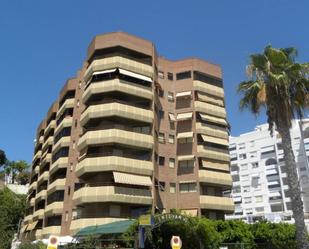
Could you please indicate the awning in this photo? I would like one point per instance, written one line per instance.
(110, 228)
(237, 199)
(215, 165)
(183, 94)
(275, 194)
(186, 158)
(135, 75)
(273, 183)
(172, 117)
(213, 119)
(132, 179)
(214, 140)
(184, 116)
(185, 135)
(32, 225)
(104, 71)
(210, 99)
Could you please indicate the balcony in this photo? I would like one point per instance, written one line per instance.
(119, 86)
(58, 184)
(39, 214)
(118, 62)
(41, 196)
(37, 155)
(47, 143)
(32, 202)
(44, 177)
(213, 153)
(112, 194)
(60, 163)
(36, 169)
(50, 126)
(113, 163)
(207, 88)
(66, 122)
(54, 208)
(78, 224)
(46, 159)
(32, 186)
(68, 103)
(28, 218)
(51, 230)
(115, 136)
(210, 109)
(211, 130)
(63, 142)
(213, 177)
(116, 109)
(217, 203)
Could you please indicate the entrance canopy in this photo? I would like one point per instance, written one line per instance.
(110, 228)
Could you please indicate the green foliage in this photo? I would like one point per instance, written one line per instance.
(12, 210)
(18, 170)
(28, 245)
(276, 236)
(202, 233)
(130, 235)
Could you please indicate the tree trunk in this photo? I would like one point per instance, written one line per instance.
(294, 188)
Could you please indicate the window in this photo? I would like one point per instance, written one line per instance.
(186, 164)
(161, 114)
(186, 140)
(236, 189)
(71, 167)
(170, 96)
(253, 154)
(66, 216)
(170, 76)
(183, 75)
(171, 163)
(235, 178)
(161, 93)
(161, 138)
(161, 75)
(270, 161)
(246, 189)
(245, 177)
(247, 200)
(242, 156)
(69, 190)
(306, 146)
(258, 198)
(241, 146)
(77, 103)
(251, 143)
(172, 187)
(114, 210)
(244, 166)
(187, 187)
(162, 186)
(171, 139)
(75, 123)
(232, 147)
(161, 160)
(259, 209)
(73, 146)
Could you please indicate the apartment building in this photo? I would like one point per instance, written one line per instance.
(260, 188)
(132, 132)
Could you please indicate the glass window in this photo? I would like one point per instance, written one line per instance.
(170, 76)
(258, 198)
(171, 163)
(241, 146)
(161, 75)
(171, 139)
(255, 165)
(170, 96)
(242, 156)
(161, 137)
(161, 160)
(172, 187)
(186, 164)
(187, 187)
(183, 75)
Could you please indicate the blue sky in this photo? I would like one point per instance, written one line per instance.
(43, 43)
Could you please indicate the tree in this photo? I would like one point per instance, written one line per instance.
(12, 210)
(2, 158)
(17, 169)
(280, 85)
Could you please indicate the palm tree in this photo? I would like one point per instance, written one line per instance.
(280, 85)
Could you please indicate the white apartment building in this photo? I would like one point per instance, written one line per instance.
(260, 188)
